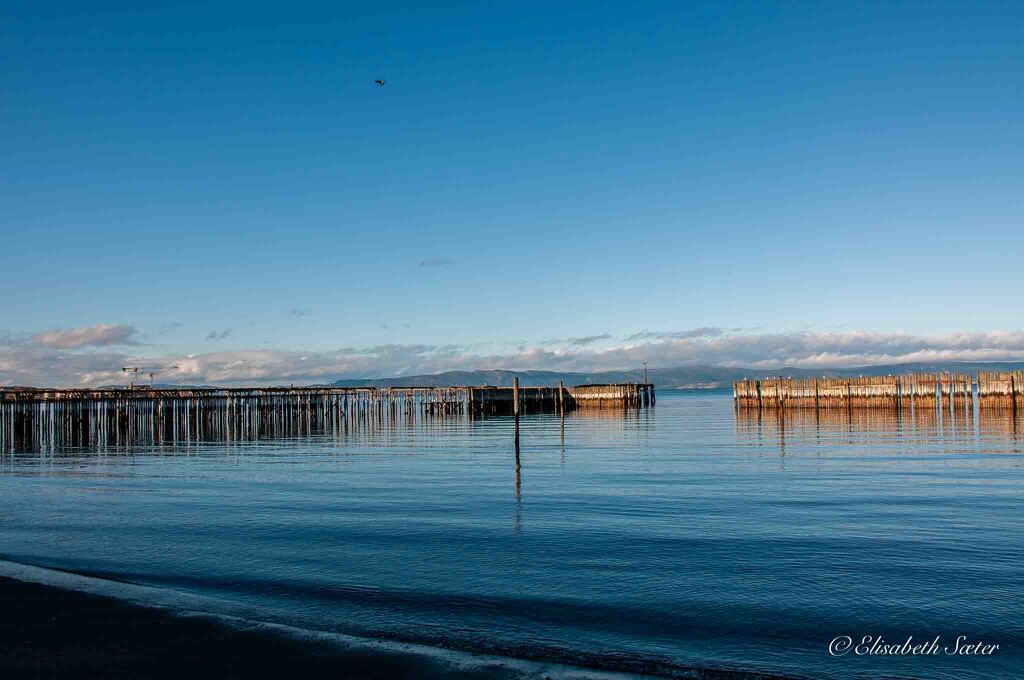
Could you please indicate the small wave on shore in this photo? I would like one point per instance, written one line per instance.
(349, 652)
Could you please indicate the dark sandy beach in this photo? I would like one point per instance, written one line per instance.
(52, 632)
(47, 632)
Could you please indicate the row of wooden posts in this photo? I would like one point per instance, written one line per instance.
(32, 419)
(505, 401)
(919, 390)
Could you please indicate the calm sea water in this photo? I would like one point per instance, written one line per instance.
(682, 537)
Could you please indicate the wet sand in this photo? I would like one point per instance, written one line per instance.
(52, 633)
(56, 624)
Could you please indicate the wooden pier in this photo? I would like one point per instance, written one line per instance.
(917, 391)
(40, 418)
(501, 400)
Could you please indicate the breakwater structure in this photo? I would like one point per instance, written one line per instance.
(918, 391)
(32, 418)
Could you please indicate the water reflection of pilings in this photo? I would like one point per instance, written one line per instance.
(754, 424)
(807, 420)
(1002, 422)
(561, 437)
(519, 481)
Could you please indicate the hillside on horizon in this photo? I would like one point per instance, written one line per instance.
(682, 377)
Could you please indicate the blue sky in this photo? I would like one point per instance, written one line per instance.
(227, 178)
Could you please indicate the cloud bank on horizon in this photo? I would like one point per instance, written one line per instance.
(94, 355)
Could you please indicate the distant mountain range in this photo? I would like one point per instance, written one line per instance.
(682, 377)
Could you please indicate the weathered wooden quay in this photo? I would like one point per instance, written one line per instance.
(515, 399)
(918, 391)
(44, 418)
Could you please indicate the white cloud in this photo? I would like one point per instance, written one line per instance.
(38, 364)
(98, 335)
(702, 332)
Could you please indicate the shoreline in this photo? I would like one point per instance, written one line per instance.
(52, 633)
(59, 624)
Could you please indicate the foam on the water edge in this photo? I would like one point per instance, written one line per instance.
(247, 617)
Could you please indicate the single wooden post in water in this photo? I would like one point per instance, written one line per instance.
(515, 396)
(561, 398)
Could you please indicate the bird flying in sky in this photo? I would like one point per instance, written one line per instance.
(379, 82)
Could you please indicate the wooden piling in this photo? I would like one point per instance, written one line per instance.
(515, 395)
(34, 419)
(1001, 390)
(918, 391)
